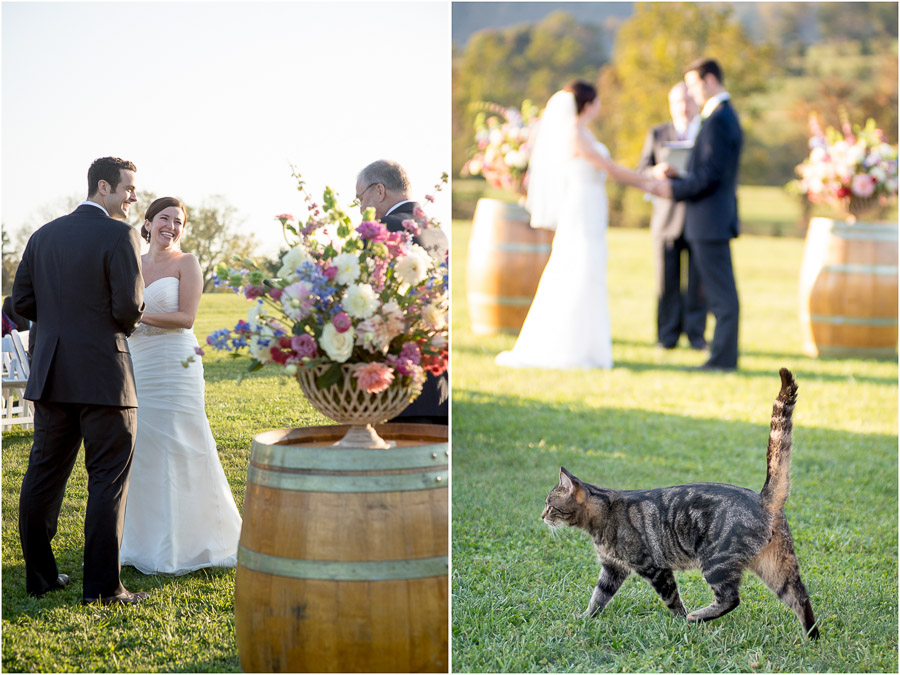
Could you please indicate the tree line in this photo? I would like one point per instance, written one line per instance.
(781, 61)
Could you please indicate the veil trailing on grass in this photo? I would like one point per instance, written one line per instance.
(553, 147)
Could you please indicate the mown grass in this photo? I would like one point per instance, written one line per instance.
(187, 624)
(517, 591)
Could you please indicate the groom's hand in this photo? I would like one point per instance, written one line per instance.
(661, 188)
(662, 171)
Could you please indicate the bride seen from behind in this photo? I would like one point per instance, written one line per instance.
(180, 514)
(568, 324)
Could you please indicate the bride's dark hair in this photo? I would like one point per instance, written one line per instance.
(157, 206)
(584, 93)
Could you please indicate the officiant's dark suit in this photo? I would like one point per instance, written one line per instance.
(677, 311)
(80, 279)
(431, 406)
(709, 191)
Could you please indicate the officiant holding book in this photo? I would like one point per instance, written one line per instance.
(680, 307)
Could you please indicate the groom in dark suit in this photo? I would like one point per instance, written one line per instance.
(80, 280)
(709, 189)
(384, 186)
(677, 311)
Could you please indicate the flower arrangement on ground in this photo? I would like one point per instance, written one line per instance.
(848, 168)
(502, 136)
(343, 295)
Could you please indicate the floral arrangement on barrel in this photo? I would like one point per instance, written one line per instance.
(502, 136)
(853, 169)
(343, 296)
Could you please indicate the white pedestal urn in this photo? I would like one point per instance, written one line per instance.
(346, 403)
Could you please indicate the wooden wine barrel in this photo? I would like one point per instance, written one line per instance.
(848, 289)
(342, 562)
(505, 262)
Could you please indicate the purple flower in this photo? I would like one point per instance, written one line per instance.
(304, 345)
(411, 352)
(372, 231)
(198, 351)
(341, 322)
(252, 292)
(275, 294)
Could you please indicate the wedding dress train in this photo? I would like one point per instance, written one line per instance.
(568, 324)
(180, 514)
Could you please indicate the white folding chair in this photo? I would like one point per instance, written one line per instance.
(16, 368)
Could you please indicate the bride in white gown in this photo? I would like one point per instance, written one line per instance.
(568, 324)
(180, 514)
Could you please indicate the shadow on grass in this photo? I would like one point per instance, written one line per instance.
(514, 585)
(792, 361)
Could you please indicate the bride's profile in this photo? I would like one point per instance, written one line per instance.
(568, 324)
(180, 514)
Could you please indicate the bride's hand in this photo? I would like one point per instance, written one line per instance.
(660, 188)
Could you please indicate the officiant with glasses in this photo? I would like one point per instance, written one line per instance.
(680, 304)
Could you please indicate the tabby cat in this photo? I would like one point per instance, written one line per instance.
(720, 529)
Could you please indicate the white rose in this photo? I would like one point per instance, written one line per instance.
(292, 260)
(360, 301)
(413, 267)
(516, 159)
(434, 317)
(338, 346)
(348, 268)
(260, 344)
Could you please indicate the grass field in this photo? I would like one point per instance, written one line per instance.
(517, 591)
(187, 624)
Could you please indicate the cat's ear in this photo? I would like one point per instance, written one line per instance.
(571, 485)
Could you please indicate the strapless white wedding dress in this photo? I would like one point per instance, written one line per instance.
(180, 514)
(568, 324)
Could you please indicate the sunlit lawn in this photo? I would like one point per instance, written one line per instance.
(517, 591)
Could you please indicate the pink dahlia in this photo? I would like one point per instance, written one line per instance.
(372, 231)
(863, 185)
(304, 345)
(374, 377)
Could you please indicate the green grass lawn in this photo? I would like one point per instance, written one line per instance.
(187, 624)
(517, 591)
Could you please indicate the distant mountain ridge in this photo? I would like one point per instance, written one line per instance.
(471, 17)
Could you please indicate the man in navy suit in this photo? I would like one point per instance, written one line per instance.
(709, 189)
(80, 280)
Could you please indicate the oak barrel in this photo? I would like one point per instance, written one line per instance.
(505, 262)
(342, 562)
(848, 289)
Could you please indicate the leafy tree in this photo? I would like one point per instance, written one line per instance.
(509, 65)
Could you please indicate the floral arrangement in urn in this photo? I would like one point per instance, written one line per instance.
(502, 136)
(349, 307)
(853, 169)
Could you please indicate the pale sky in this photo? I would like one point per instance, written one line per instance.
(220, 98)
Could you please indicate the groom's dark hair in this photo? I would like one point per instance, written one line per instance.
(704, 67)
(583, 92)
(107, 168)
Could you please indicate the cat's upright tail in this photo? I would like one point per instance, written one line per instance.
(778, 459)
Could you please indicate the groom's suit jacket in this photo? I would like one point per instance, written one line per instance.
(710, 186)
(432, 402)
(80, 280)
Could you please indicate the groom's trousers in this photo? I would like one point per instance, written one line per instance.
(108, 435)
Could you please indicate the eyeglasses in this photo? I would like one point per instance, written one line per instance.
(368, 187)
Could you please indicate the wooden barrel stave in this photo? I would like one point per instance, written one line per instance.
(505, 260)
(344, 581)
(848, 289)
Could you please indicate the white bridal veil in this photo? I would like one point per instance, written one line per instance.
(553, 147)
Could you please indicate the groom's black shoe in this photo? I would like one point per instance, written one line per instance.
(126, 598)
(709, 367)
(61, 582)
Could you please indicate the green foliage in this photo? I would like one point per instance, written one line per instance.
(517, 590)
(652, 50)
(528, 61)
